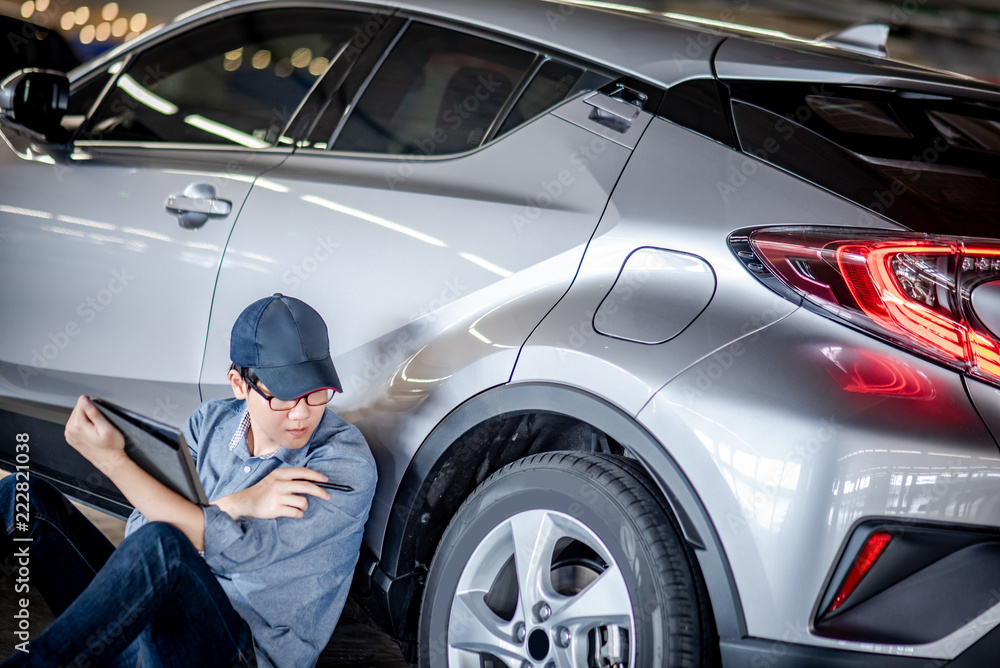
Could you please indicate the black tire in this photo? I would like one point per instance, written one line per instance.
(597, 519)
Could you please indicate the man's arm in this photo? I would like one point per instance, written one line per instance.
(100, 442)
(246, 543)
(280, 494)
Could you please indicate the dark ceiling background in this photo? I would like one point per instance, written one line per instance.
(961, 36)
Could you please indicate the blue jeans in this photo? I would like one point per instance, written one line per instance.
(153, 598)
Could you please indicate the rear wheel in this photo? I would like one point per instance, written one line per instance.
(563, 560)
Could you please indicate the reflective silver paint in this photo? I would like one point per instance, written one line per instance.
(430, 272)
(678, 192)
(613, 128)
(644, 304)
(744, 59)
(114, 274)
(794, 460)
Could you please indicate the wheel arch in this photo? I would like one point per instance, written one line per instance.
(459, 449)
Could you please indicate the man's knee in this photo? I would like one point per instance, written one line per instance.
(163, 539)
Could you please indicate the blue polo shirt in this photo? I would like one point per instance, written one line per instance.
(288, 578)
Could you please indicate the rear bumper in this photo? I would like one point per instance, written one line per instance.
(756, 653)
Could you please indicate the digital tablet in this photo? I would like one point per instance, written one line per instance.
(159, 449)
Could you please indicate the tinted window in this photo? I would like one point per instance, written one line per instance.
(930, 162)
(552, 84)
(83, 97)
(234, 81)
(438, 92)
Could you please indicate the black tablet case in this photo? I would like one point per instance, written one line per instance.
(158, 449)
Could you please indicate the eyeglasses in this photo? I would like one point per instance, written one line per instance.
(317, 398)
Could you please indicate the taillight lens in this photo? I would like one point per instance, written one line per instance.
(909, 288)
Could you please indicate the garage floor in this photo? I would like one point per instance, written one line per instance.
(355, 642)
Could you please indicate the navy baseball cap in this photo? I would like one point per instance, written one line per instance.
(285, 342)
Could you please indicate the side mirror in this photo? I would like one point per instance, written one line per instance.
(36, 100)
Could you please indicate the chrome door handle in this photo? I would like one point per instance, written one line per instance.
(213, 207)
(612, 113)
(196, 205)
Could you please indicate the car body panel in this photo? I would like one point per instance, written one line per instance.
(122, 274)
(116, 279)
(497, 249)
(704, 192)
(642, 305)
(795, 460)
(747, 59)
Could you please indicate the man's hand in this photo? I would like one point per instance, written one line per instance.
(280, 494)
(94, 437)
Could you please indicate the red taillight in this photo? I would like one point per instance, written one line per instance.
(913, 289)
(869, 554)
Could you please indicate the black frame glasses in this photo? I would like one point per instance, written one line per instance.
(316, 398)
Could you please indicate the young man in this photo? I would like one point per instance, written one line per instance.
(259, 576)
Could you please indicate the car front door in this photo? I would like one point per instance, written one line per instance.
(110, 254)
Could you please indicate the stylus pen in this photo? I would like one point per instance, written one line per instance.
(333, 485)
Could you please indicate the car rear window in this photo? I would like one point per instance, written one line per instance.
(929, 162)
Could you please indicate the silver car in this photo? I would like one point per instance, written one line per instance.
(676, 344)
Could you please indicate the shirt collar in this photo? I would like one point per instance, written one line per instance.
(282, 453)
(241, 430)
(240, 436)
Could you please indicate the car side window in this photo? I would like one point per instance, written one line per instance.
(438, 92)
(553, 82)
(235, 81)
(83, 96)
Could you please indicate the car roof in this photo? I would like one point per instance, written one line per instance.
(660, 47)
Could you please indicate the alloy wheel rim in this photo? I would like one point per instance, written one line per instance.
(540, 590)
